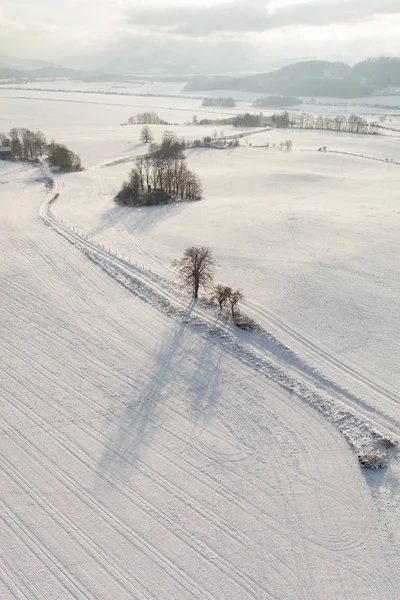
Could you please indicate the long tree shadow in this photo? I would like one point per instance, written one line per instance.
(206, 380)
(137, 219)
(138, 422)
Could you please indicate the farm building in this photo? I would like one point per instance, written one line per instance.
(5, 152)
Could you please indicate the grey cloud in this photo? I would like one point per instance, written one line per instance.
(334, 11)
(241, 16)
(236, 16)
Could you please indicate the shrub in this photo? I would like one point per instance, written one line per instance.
(246, 323)
(373, 462)
(387, 444)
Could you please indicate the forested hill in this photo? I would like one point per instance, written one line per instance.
(314, 78)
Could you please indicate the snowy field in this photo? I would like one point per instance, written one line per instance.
(311, 238)
(91, 125)
(144, 452)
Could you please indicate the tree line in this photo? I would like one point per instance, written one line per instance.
(147, 118)
(241, 120)
(31, 146)
(341, 123)
(161, 175)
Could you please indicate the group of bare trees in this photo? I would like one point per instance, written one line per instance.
(226, 295)
(196, 270)
(249, 120)
(61, 157)
(146, 118)
(31, 145)
(25, 144)
(162, 169)
(341, 123)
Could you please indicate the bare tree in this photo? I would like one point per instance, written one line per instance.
(234, 300)
(196, 268)
(146, 137)
(222, 294)
(289, 144)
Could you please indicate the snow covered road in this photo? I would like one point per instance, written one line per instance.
(138, 459)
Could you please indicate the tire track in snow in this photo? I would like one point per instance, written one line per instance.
(354, 422)
(244, 581)
(343, 565)
(138, 504)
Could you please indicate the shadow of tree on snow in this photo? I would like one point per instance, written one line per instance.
(138, 421)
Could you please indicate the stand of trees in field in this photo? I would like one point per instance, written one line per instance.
(196, 270)
(224, 102)
(161, 176)
(350, 124)
(249, 120)
(31, 146)
(147, 118)
(242, 120)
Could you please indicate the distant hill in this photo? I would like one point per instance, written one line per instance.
(24, 64)
(41, 73)
(314, 78)
(53, 72)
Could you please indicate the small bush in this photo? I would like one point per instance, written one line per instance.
(373, 462)
(246, 323)
(387, 444)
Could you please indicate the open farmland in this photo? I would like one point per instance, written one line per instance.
(150, 450)
(285, 226)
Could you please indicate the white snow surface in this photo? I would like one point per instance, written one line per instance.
(135, 463)
(311, 238)
(149, 449)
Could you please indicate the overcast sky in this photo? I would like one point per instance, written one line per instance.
(55, 29)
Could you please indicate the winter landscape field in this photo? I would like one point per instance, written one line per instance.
(151, 449)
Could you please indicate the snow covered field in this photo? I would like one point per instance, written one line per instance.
(91, 124)
(143, 455)
(311, 238)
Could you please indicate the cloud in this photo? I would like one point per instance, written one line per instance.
(200, 20)
(331, 12)
(254, 16)
(225, 34)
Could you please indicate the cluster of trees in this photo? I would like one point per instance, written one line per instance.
(147, 118)
(243, 120)
(161, 175)
(196, 270)
(59, 156)
(287, 144)
(249, 120)
(25, 144)
(350, 124)
(215, 141)
(32, 145)
(208, 141)
(225, 102)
